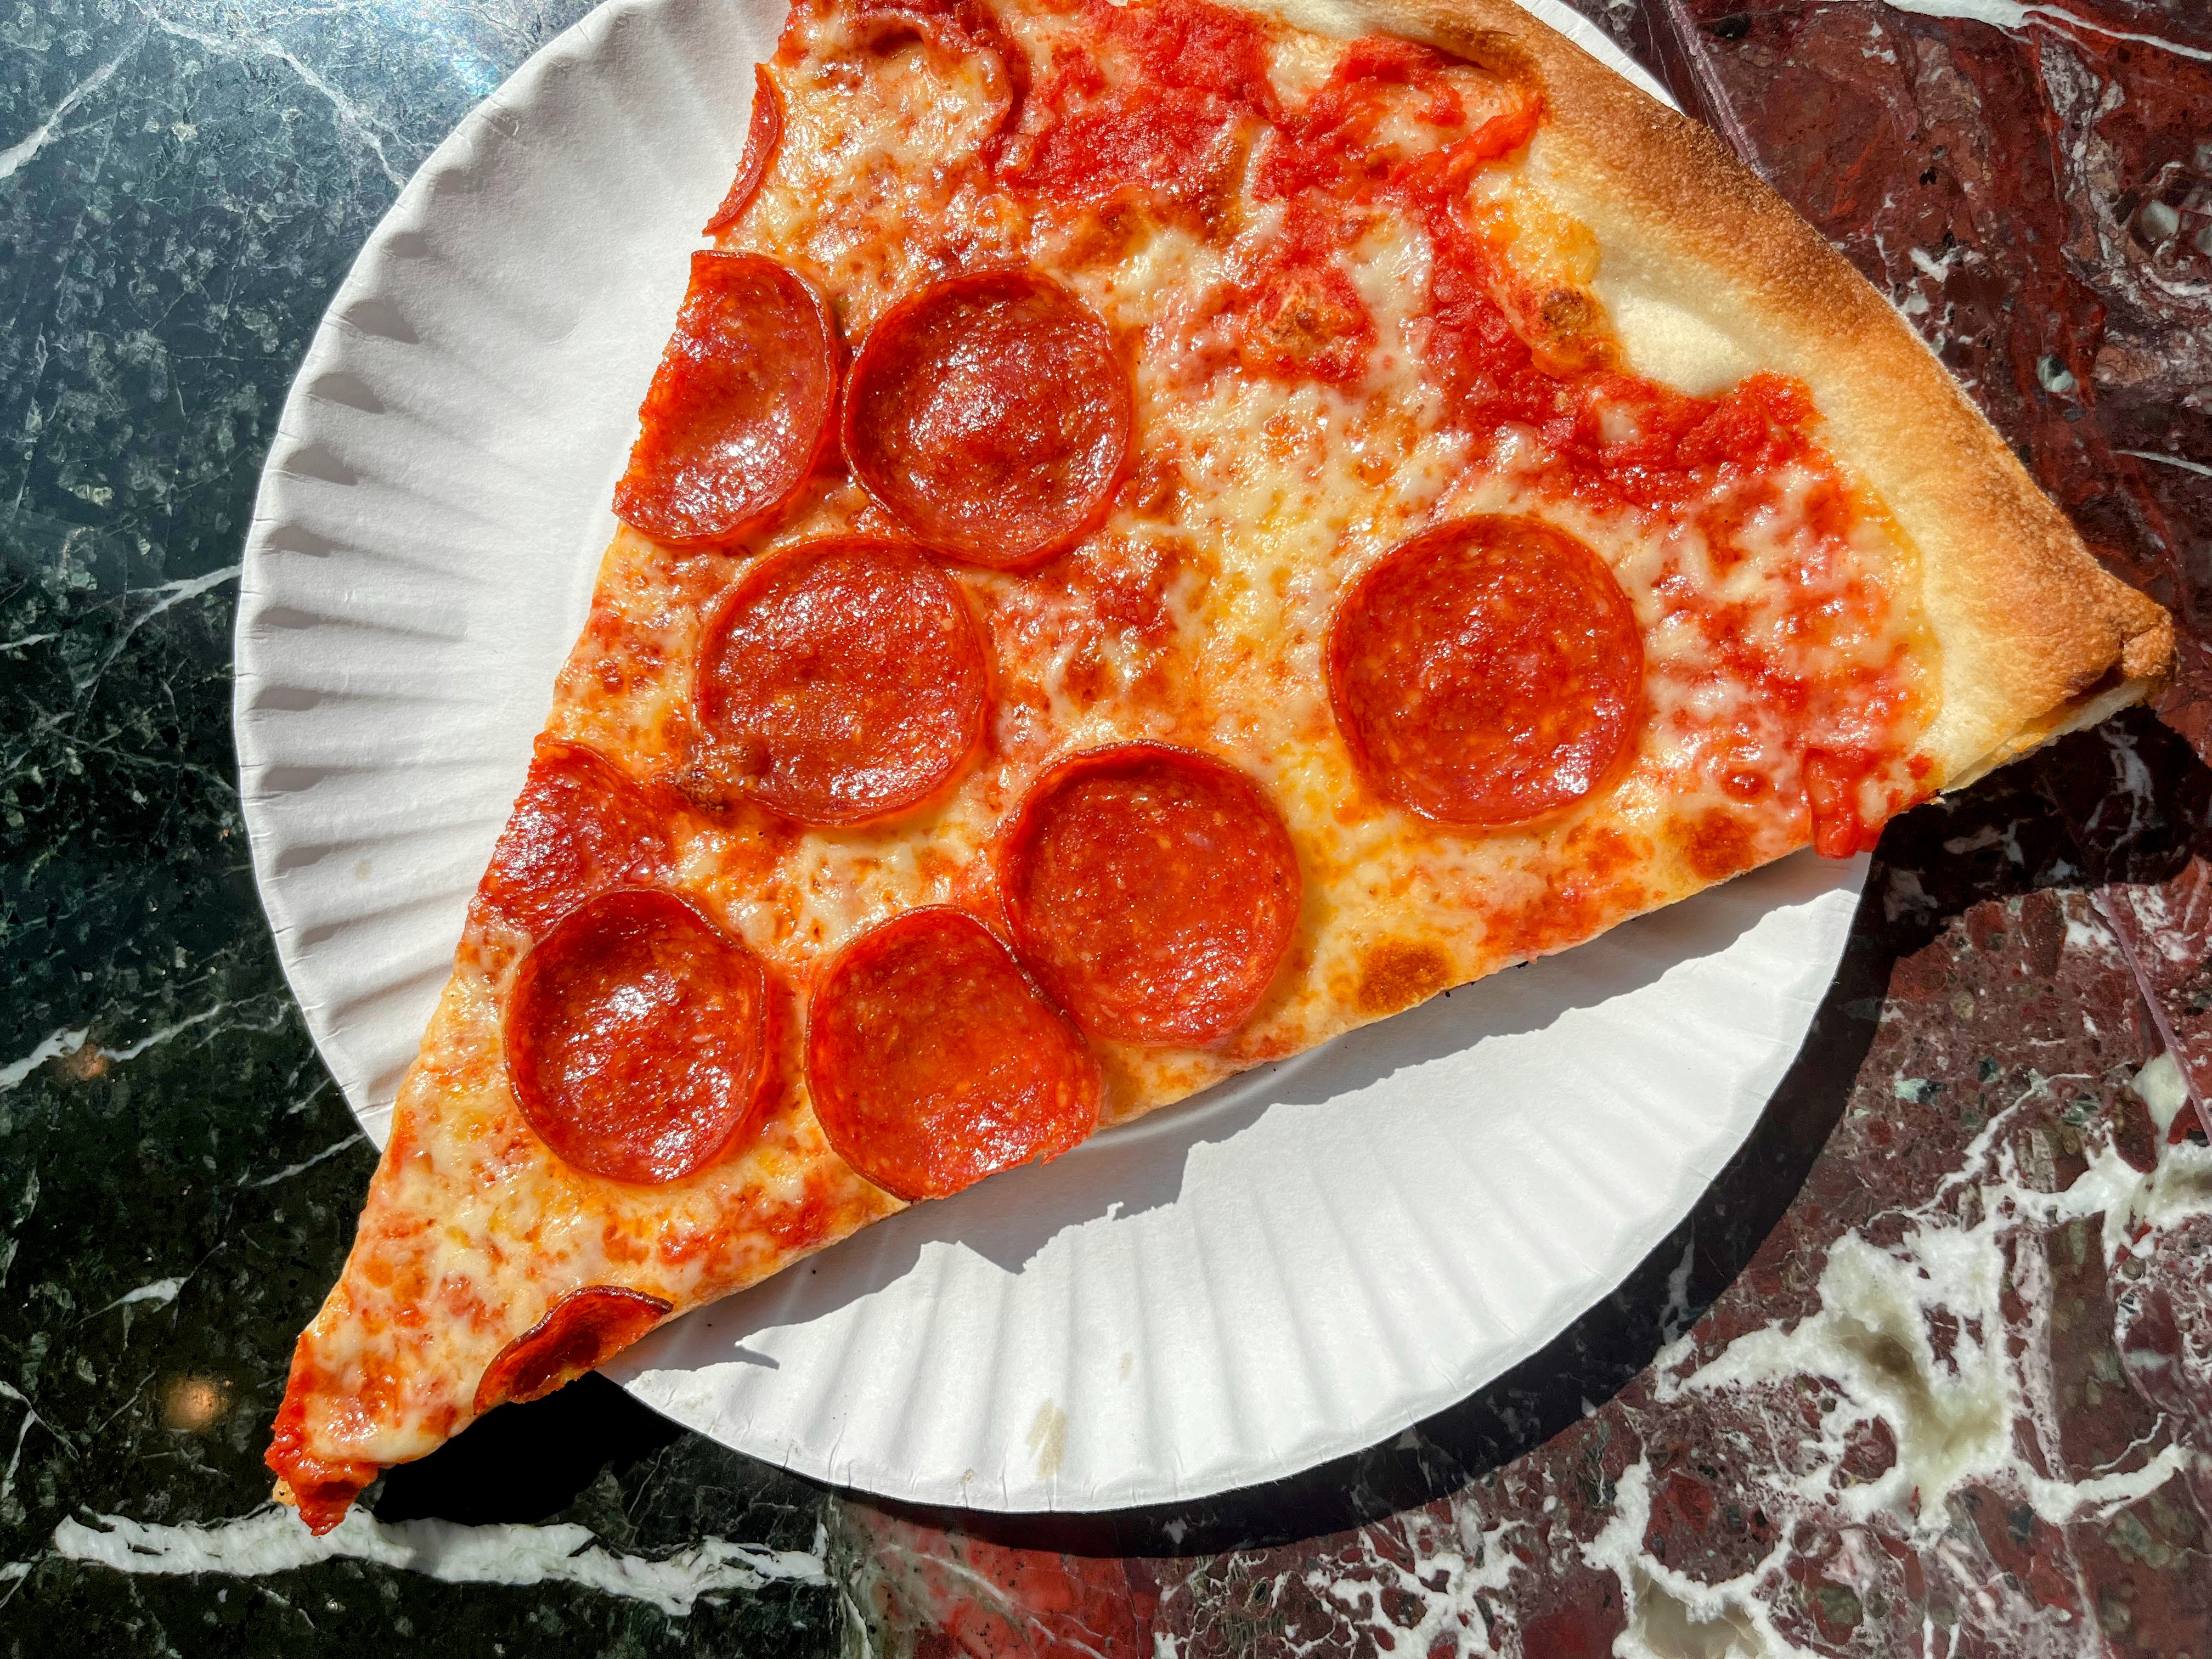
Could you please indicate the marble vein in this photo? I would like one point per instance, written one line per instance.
(2198, 467)
(69, 1044)
(2013, 15)
(155, 1038)
(160, 1293)
(56, 1047)
(1952, 1416)
(169, 593)
(24, 149)
(31, 1419)
(350, 114)
(306, 1163)
(1671, 1612)
(1437, 1583)
(271, 1540)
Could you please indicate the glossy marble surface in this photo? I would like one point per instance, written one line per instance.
(1960, 1402)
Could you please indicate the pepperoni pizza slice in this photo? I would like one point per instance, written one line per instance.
(1163, 534)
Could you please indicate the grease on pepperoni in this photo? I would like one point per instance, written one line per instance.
(1488, 672)
(638, 1038)
(1153, 892)
(740, 409)
(990, 416)
(762, 136)
(581, 1332)
(933, 1062)
(580, 827)
(842, 681)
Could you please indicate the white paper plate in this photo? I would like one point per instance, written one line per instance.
(1291, 1269)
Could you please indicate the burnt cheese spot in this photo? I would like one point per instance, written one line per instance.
(1717, 844)
(1568, 311)
(1568, 332)
(1396, 974)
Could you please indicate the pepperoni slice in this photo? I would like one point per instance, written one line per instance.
(1153, 892)
(933, 1062)
(842, 681)
(580, 827)
(761, 137)
(1487, 671)
(580, 1332)
(739, 408)
(637, 1038)
(990, 416)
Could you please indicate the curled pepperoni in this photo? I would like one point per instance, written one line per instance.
(739, 408)
(933, 1062)
(990, 416)
(638, 1038)
(761, 137)
(842, 681)
(580, 1333)
(1153, 892)
(580, 827)
(1487, 671)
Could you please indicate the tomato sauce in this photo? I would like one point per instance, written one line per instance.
(1167, 113)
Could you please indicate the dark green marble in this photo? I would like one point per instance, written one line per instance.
(181, 188)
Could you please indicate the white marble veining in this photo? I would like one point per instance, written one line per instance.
(2014, 15)
(271, 1540)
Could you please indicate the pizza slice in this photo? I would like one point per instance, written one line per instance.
(1163, 534)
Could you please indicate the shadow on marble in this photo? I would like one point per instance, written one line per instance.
(527, 1463)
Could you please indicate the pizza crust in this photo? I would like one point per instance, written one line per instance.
(1708, 273)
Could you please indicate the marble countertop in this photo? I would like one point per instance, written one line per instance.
(1929, 1371)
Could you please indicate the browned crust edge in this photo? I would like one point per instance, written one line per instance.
(2035, 637)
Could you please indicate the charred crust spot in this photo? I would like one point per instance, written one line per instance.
(1398, 973)
(2094, 683)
